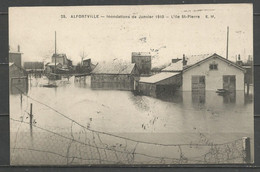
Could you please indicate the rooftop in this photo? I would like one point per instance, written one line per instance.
(178, 66)
(114, 68)
(192, 59)
(158, 77)
(202, 59)
(141, 54)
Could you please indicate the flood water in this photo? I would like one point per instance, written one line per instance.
(183, 118)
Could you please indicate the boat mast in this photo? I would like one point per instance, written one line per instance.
(55, 53)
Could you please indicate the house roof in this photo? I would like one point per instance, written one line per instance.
(192, 59)
(210, 57)
(13, 64)
(158, 77)
(141, 54)
(177, 66)
(114, 68)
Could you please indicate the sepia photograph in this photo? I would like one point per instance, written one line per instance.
(131, 85)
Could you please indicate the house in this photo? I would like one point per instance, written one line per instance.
(212, 73)
(18, 79)
(160, 84)
(143, 62)
(115, 76)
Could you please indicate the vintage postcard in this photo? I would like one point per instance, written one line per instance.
(131, 85)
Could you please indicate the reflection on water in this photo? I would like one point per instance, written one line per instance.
(180, 117)
(208, 97)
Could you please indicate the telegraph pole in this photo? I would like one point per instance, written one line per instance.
(227, 42)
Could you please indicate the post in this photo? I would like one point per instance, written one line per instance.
(21, 99)
(31, 118)
(246, 149)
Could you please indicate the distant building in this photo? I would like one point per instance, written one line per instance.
(160, 84)
(87, 65)
(212, 73)
(50, 67)
(18, 79)
(115, 76)
(16, 57)
(62, 59)
(143, 61)
(86, 62)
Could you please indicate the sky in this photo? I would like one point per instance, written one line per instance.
(105, 39)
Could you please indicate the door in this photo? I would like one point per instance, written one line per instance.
(198, 83)
(229, 82)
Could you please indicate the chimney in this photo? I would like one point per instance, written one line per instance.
(18, 48)
(239, 61)
(184, 62)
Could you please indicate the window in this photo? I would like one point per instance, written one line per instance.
(213, 66)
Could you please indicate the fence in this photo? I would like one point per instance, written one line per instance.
(32, 144)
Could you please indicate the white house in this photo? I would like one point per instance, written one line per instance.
(212, 73)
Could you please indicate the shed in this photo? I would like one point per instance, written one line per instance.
(160, 84)
(115, 76)
(212, 73)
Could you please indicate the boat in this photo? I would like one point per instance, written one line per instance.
(222, 91)
(50, 85)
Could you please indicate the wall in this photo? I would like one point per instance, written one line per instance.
(213, 78)
(18, 80)
(16, 58)
(112, 82)
(147, 89)
(174, 80)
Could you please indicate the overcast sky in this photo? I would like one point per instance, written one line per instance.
(104, 39)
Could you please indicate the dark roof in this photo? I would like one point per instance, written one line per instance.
(210, 57)
(141, 54)
(114, 68)
(175, 60)
(59, 55)
(33, 65)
